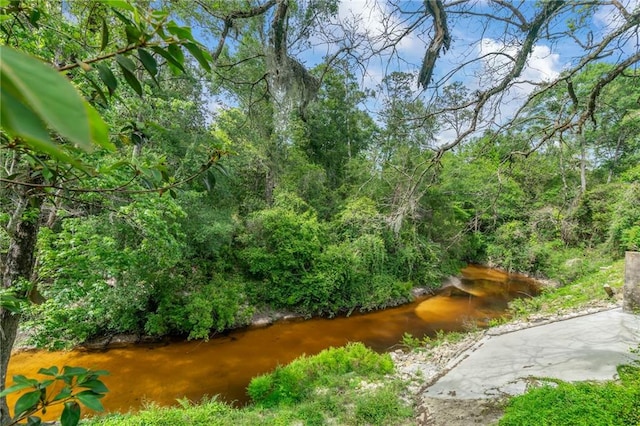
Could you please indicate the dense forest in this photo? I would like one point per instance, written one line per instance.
(236, 179)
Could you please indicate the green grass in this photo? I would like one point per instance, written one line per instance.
(581, 293)
(344, 386)
(590, 404)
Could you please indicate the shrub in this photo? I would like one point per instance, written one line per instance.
(591, 404)
(295, 382)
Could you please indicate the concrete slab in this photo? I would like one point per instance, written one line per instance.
(583, 348)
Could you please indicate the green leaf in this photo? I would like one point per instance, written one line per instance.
(197, 53)
(51, 371)
(119, 4)
(24, 380)
(63, 394)
(169, 57)
(15, 388)
(107, 78)
(123, 18)
(133, 34)
(97, 89)
(96, 386)
(48, 94)
(21, 121)
(149, 63)
(34, 421)
(70, 414)
(183, 33)
(45, 383)
(90, 400)
(177, 53)
(73, 371)
(27, 402)
(34, 17)
(126, 63)
(105, 35)
(131, 79)
(99, 129)
(209, 180)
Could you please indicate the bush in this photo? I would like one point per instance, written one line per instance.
(280, 246)
(589, 404)
(624, 233)
(295, 382)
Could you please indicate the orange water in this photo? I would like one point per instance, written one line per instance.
(224, 365)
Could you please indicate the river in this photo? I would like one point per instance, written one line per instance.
(225, 364)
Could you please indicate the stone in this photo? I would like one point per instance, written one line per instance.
(607, 289)
(631, 290)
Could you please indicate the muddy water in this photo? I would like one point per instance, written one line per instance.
(224, 365)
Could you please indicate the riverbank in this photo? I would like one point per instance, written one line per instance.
(422, 367)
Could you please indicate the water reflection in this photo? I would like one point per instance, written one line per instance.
(224, 365)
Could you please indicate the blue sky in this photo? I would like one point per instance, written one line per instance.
(486, 47)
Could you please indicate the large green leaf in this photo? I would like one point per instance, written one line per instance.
(51, 371)
(183, 33)
(70, 414)
(95, 385)
(172, 60)
(105, 35)
(107, 78)
(27, 402)
(20, 121)
(48, 94)
(120, 4)
(15, 388)
(131, 79)
(149, 63)
(90, 400)
(197, 53)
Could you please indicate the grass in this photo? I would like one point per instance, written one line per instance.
(351, 385)
(413, 343)
(581, 293)
(559, 403)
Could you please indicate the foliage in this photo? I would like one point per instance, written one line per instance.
(624, 232)
(578, 403)
(346, 386)
(70, 387)
(35, 97)
(585, 288)
(298, 380)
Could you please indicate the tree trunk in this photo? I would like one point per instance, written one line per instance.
(17, 266)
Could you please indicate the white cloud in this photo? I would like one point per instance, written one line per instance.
(497, 59)
(610, 18)
(375, 19)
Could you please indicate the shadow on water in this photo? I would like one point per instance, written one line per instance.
(224, 365)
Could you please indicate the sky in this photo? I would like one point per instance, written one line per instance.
(471, 42)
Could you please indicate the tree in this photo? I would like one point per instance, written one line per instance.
(48, 129)
(506, 37)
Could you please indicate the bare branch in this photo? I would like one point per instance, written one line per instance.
(441, 41)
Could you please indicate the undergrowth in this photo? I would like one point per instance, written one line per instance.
(346, 386)
(583, 292)
(560, 403)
